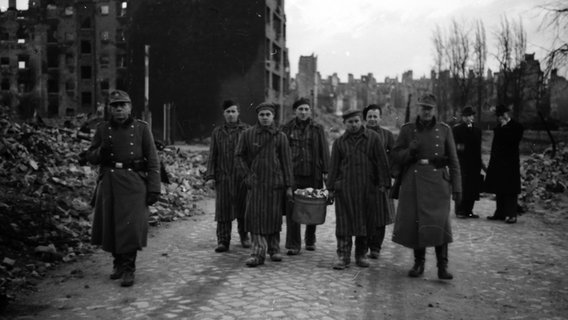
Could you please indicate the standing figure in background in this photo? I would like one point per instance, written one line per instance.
(128, 182)
(222, 174)
(504, 170)
(372, 115)
(468, 146)
(310, 158)
(357, 176)
(431, 176)
(263, 155)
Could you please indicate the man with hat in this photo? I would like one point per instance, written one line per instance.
(468, 145)
(263, 156)
(426, 151)
(128, 182)
(356, 177)
(230, 200)
(310, 159)
(504, 170)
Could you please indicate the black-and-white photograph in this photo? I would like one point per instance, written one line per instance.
(283, 159)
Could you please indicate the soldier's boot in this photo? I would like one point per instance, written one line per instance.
(129, 266)
(442, 258)
(341, 263)
(419, 259)
(117, 269)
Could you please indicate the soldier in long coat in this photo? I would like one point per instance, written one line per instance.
(263, 155)
(504, 170)
(356, 177)
(372, 115)
(468, 145)
(310, 158)
(427, 151)
(128, 181)
(230, 200)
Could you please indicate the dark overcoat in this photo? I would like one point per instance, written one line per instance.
(263, 155)
(120, 222)
(230, 200)
(358, 168)
(422, 217)
(468, 147)
(504, 170)
(385, 202)
(312, 140)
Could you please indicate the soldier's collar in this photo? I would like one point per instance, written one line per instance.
(420, 125)
(125, 124)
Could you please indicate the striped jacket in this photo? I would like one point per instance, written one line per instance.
(357, 170)
(263, 155)
(385, 203)
(229, 201)
(310, 150)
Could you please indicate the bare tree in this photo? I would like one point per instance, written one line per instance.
(458, 50)
(555, 20)
(479, 61)
(440, 65)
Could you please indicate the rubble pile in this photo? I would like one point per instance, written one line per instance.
(545, 182)
(45, 199)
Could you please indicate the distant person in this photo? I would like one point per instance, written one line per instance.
(373, 115)
(222, 174)
(310, 159)
(128, 182)
(504, 170)
(356, 177)
(427, 151)
(468, 146)
(263, 155)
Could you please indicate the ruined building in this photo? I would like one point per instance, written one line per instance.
(61, 57)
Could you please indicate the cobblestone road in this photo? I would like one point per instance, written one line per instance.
(501, 272)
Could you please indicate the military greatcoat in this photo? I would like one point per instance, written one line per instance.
(230, 201)
(504, 170)
(263, 155)
(468, 145)
(422, 218)
(355, 176)
(120, 222)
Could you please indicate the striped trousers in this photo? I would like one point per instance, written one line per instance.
(224, 229)
(344, 244)
(261, 244)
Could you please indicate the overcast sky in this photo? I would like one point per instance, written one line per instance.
(387, 38)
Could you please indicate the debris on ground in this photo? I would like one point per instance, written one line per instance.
(45, 194)
(545, 182)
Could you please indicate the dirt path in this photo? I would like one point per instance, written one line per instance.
(501, 272)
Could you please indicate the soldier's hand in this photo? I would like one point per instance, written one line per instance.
(104, 153)
(413, 147)
(457, 197)
(210, 183)
(152, 197)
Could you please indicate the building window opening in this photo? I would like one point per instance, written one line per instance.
(276, 82)
(123, 7)
(104, 10)
(5, 61)
(85, 47)
(86, 24)
(86, 98)
(52, 86)
(5, 85)
(22, 62)
(86, 72)
(68, 11)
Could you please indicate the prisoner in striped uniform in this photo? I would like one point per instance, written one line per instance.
(357, 174)
(310, 157)
(263, 155)
(372, 115)
(230, 199)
